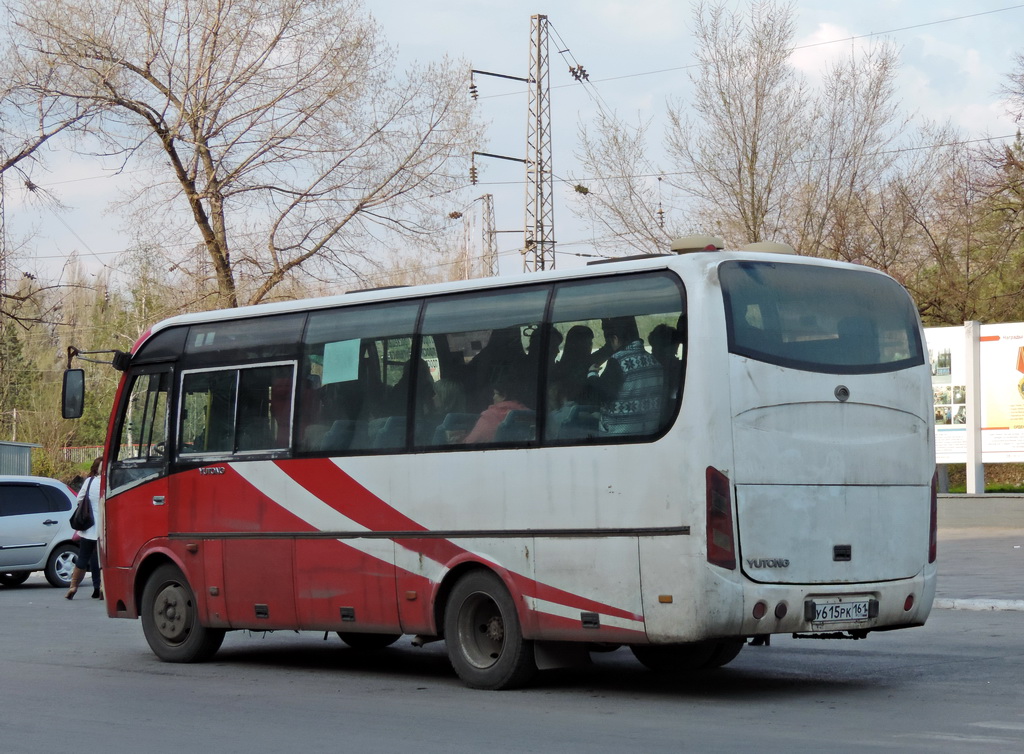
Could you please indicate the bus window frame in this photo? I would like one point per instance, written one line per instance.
(192, 459)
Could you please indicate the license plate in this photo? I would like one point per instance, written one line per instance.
(840, 612)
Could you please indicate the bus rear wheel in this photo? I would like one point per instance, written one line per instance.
(170, 619)
(484, 636)
(368, 641)
(684, 658)
(726, 652)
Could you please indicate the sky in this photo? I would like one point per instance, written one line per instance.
(954, 57)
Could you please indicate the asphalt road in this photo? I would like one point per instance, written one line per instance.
(72, 679)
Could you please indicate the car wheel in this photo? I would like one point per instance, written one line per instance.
(61, 564)
(485, 642)
(170, 619)
(14, 579)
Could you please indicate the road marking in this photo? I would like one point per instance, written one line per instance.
(979, 604)
(999, 725)
(966, 740)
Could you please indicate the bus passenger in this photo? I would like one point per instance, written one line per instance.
(570, 371)
(665, 343)
(502, 358)
(449, 401)
(504, 401)
(631, 386)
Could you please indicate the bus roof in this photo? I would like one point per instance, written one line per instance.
(694, 261)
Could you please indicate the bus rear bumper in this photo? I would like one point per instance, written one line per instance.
(834, 609)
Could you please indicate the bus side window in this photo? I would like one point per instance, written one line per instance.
(484, 345)
(208, 412)
(353, 396)
(265, 408)
(397, 373)
(619, 371)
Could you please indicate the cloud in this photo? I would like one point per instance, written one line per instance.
(827, 44)
(655, 20)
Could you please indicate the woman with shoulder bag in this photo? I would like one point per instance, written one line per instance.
(88, 555)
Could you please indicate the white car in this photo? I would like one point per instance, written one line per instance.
(35, 530)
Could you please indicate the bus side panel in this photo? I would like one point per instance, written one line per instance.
(338, 587)
(684, 598)
(604, 605)
(424, 564)
(212, 605)
(529, 494)
(259, 583)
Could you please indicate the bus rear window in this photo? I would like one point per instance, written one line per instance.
(819, 319)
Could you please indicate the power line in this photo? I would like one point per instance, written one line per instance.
(843, 40)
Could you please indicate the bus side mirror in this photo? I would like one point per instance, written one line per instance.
(72, 394)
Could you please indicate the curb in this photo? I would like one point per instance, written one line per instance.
(978, 604)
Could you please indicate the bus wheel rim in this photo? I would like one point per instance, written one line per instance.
(482, 630)
(172, 613)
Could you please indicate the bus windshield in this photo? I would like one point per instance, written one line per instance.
(819, 319)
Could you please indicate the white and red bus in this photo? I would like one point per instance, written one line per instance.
(681, 454)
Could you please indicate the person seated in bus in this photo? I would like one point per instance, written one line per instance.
(631, 384)
(449, 400)
(506, 399)
(664, 343)
(397, 396)
(533, 348)
(502, 355)
(570, 371)
(569, 419)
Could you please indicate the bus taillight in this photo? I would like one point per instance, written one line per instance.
(721, 544)
(933, 523)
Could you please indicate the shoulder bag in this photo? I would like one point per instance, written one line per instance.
(82, 518)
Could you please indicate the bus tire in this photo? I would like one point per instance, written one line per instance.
(726, 651)
(484, 636)
(366, 641)
(170, 619)
(675, 658)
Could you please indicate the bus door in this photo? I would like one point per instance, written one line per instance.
(234, 425)
(137, 482)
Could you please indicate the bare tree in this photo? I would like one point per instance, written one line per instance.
(757, 154)
(738, 155)
(619, 196)
(279, 128)
(848, 153)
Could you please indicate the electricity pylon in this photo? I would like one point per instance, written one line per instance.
(539, 236)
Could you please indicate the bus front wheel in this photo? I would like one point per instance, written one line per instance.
(483, 634)
(170, 619)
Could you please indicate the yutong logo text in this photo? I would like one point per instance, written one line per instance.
(768, 562)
